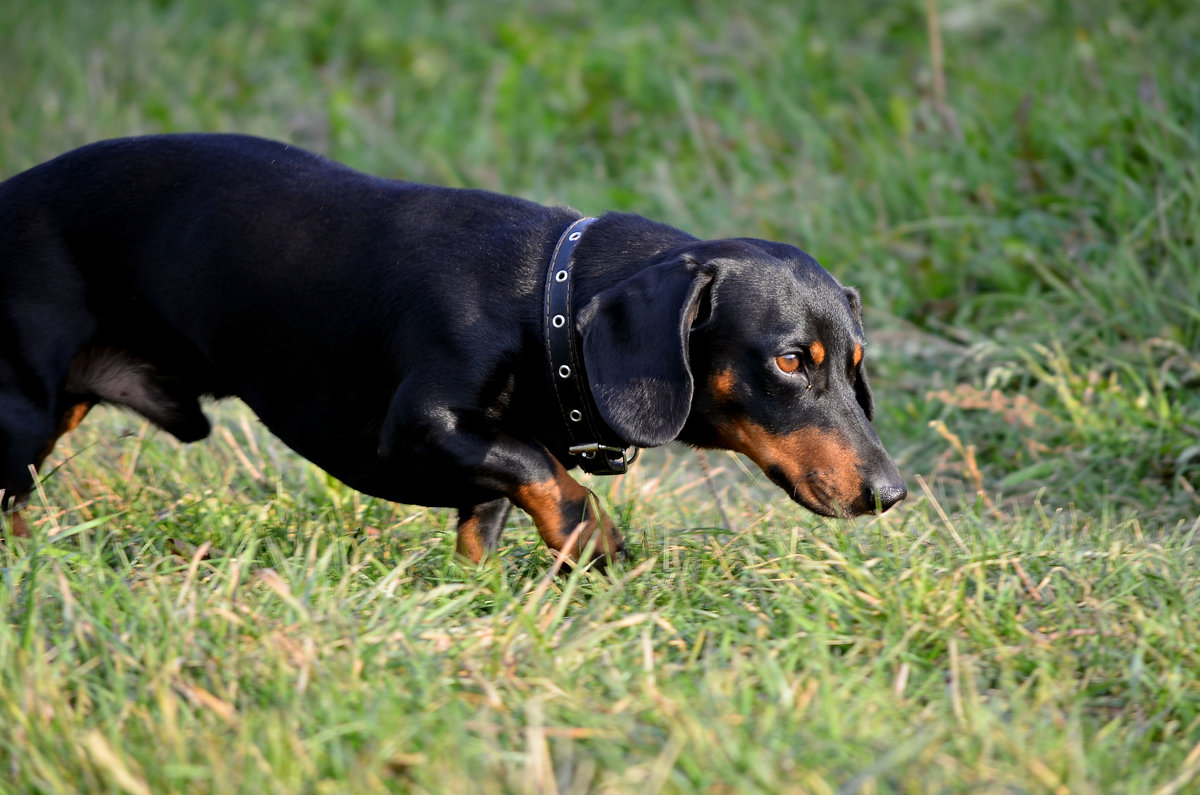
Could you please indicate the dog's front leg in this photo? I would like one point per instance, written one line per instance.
(567, 515)
(479, 528)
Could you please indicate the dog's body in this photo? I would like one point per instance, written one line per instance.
(393, 333)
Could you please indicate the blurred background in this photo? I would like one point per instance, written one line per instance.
(1013, 185)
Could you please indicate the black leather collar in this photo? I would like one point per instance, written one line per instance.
(597, 449)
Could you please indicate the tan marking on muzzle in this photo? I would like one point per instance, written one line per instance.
(819, 466)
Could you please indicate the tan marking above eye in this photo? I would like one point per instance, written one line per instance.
(858, 354)
(788, 362)
(817, 352)
(722, 384)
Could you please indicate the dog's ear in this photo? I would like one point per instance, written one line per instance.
(862, 385)
(635, 349)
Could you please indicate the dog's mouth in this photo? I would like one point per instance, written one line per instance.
(817, 468)
(813, 493)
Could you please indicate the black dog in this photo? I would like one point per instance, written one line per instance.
(425, 345)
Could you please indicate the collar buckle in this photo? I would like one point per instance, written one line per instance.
(603, 459)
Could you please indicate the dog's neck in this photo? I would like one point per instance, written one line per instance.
(595, 446)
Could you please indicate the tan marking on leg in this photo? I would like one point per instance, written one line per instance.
(547, 501)
(544, 503)
(73, 416)
(12, 509)
(858, 354)
(818, 466)
(67, 422)
(817, 352)
(470, 540)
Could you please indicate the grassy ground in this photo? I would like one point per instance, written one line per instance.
(1021, 213)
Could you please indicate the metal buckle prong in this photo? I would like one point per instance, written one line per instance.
(595, 447)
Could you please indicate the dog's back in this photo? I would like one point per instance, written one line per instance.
(147, 272)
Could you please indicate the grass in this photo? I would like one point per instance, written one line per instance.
(1026, 243)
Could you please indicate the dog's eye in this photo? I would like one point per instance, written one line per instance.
(788, 362)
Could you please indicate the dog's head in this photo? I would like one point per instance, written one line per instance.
(749, 346)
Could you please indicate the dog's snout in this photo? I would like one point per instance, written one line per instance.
(885, 491)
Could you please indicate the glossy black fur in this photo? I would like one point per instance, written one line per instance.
(387, 331)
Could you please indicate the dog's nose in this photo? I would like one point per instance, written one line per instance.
(887, 491)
